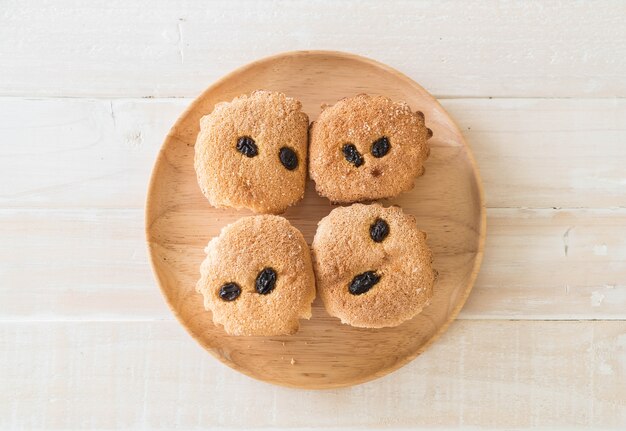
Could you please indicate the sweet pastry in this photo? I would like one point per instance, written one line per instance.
(365, 148)
(252, 153)
(372, 265)
(257, 278)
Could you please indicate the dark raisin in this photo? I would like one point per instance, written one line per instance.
(288, 158)
(265, 281)
(247, 147)
(352, 155)
(379, 230)
(230, 291)
(380, 147)
(363, 282)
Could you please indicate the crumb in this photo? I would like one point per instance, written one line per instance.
(293, 361)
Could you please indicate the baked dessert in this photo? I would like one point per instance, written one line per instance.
(372, 265)
(252, 153)
(257, 278)
(365, 148)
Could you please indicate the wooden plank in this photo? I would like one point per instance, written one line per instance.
(79, 152)
(480, 374)
(547, 153)
(86, 264)
(93, 265)
(552, 264)
(159, 48)
(82, 153)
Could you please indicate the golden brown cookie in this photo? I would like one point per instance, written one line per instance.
(365, 148)
(252, 153)
(257, 278)
(372, 266)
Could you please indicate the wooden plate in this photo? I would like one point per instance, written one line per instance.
(447, 202)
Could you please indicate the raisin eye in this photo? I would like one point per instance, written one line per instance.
(230, 291)
(363, 282)
(288, 158)
(379, 230)
(380, 147)
(247, 147)
(265, 281)
(352, 155)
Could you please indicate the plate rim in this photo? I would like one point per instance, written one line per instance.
(482, 234)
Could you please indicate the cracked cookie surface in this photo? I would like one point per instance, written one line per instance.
(257, 278)
(365, 148)
(252, 153)
(372, 265)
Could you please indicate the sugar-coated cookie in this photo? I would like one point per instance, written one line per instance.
(257, 278)
(372, 266)
(365, 148)
(252, 153)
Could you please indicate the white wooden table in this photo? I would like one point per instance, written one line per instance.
(88, 91)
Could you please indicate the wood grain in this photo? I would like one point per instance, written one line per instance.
(567, 153)
(577, 136)
(76, 265)
(552, 264)
(80, 153)
(447, 202)
(478, 375)
(548, 153)
(455, 49)
(58, 265)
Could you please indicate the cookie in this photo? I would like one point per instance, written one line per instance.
(257, 278)
(372, 265)
(365, 148)
(252, 153)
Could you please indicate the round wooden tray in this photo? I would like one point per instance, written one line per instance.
(447, 202)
